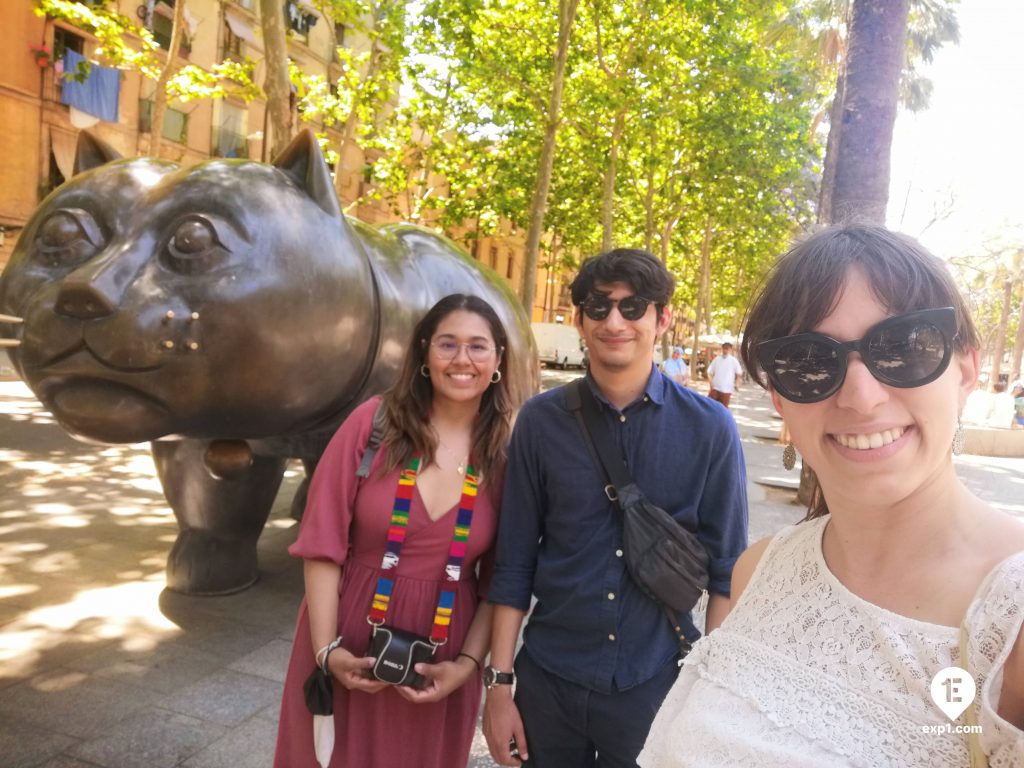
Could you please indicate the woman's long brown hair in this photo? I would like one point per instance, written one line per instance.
(407, 404)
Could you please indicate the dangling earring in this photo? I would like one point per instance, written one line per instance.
(789, 456)
(495, 377)
(959, 438)
(424, 371)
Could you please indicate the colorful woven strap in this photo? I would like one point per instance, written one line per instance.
(456, 552)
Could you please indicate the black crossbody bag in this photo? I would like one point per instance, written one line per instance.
(667, 561)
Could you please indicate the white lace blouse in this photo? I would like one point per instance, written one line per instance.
(803, 673)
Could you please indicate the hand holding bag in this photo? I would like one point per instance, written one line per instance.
(397, 653)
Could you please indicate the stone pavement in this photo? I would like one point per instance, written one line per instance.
(100, 667)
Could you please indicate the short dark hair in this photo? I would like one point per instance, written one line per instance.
(804, 285)
(639, 269)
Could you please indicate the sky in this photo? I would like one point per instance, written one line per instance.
(968, 147)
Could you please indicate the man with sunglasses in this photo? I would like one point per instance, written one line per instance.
(599, 655)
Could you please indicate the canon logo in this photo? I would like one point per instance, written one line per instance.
(393, 664)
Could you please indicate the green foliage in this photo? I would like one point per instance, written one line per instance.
(981, 277)
(125, 45)
(113, 32)
(359, 99)
(226, 78)
(708, 115)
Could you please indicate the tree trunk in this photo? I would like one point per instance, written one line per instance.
(649, 214)
(666, 241)
(1004, 319)
(276, 84)
(156, 128)
(608, 191)
(878, 31)
(539, 204)
(1018, 345)
(702, 293)
(835, 133)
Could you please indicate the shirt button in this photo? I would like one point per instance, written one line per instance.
(618, 553)
(622, 417)
(611, 595)
(612, 638)
(646, 399)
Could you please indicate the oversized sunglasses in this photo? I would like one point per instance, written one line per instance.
(905, 351)
(598, 307)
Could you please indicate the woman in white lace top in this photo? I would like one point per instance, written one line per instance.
(840, 624)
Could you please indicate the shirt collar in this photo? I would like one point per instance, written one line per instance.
(654, 390)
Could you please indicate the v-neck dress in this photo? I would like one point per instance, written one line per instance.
(346, 521)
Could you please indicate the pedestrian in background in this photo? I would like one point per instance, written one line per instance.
(676, 368)
(726, 374)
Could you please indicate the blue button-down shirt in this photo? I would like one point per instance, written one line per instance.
(560, 539)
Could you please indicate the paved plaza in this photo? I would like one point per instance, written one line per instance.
(101, 667)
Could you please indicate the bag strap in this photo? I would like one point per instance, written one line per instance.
(599, 438)
(396, 537)
(606, 456)
(373, 443)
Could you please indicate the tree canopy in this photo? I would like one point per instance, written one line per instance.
(689, 127)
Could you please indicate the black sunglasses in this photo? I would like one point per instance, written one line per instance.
(598, 307)
(905, 351)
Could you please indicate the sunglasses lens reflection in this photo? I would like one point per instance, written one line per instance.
(806, 370)
(906, 353)
(901, 353)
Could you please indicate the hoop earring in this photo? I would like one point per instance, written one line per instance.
(424, 371)
(495, 377)
(959, 438)
(789, 456)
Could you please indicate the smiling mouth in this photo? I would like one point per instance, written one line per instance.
(864, 442)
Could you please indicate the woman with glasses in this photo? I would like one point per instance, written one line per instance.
(395, 552)
(843, 629)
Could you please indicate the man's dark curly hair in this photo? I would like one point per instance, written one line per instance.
(639, 269)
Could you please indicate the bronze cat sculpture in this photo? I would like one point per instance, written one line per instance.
(230, 314)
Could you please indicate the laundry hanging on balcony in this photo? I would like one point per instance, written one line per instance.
(98, 95)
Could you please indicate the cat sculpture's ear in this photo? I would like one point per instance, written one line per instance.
(92, 152)
(303, 161)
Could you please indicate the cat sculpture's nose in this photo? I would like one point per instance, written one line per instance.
(83, 302)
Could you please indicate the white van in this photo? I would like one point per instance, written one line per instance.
(559, 346)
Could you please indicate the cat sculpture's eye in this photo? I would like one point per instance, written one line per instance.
(193, 246)
(68, 237)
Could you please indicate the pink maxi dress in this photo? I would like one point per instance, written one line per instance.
(346, 520)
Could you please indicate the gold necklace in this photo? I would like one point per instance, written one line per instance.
(460, 465)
